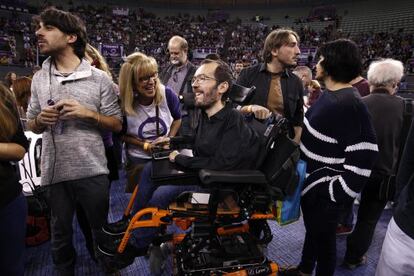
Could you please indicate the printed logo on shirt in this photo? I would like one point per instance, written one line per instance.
(148, 128)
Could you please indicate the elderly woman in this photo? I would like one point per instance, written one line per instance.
(13, 206)
(151, 110)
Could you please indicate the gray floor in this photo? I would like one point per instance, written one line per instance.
(285, 248)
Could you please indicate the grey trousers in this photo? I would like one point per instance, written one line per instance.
(92, 194)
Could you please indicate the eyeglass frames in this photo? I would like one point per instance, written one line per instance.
(201, 78)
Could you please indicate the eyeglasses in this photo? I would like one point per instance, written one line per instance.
(201, 78)
(148, 78)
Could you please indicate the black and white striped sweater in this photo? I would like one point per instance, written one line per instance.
(339, 145)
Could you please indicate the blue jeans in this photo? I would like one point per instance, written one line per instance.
(12, 237)
(151, 195)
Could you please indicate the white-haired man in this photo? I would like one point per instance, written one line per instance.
(387, 112)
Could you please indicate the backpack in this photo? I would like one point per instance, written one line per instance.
(37, 230)
(279, 160)
(38, 218)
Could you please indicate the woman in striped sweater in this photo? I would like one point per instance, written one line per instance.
(339, 146)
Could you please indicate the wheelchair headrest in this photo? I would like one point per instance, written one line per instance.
(240, 94)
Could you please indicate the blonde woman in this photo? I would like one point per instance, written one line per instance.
(13, 206)
(151, 110)
(96, 59)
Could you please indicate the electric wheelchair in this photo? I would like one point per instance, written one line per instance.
(218, 240)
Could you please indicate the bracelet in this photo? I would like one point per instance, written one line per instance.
(36, 122)
(98, 120)
(146, 146)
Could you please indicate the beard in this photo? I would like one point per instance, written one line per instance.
(289, 66)
(176, 62)
(208, 100)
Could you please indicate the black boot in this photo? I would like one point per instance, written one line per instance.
(124, 259)
(117, 228)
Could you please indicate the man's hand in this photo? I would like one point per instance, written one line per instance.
(72, 109)
(47, 117)
(260, 112)
(172, 155)
(162, 142)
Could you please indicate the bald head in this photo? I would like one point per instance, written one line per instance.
(178, 41)
(178, 50)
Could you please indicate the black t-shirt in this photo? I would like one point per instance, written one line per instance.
(10, 187)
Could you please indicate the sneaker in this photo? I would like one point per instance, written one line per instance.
(349, 265)
(343, 230)
(292, 271)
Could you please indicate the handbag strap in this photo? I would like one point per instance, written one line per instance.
(408, 113)
(31, 183)
(157, 123)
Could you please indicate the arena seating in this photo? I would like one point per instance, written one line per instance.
(383, 31)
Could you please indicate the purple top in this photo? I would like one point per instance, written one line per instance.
(173, 103)
(107, 138)
(363, 87)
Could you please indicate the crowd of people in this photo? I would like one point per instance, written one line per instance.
(348, 146)
(144, 31)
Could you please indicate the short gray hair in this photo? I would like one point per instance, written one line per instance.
(304, 69)
(385, 72)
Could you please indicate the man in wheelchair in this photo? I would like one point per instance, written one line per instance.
(223, 141)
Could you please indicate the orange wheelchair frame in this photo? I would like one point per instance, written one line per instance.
(252, 205)
(183, 217)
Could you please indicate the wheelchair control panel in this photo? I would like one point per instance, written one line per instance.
(161, 155)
